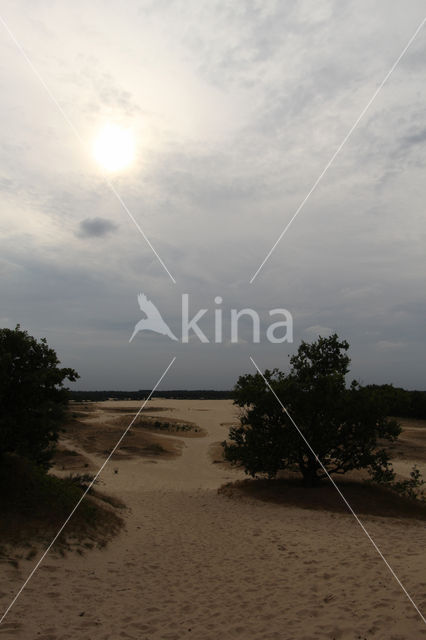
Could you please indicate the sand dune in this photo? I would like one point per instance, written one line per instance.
(195, 564)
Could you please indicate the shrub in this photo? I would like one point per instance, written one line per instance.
(33, 399)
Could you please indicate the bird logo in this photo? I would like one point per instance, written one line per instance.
(153, 320)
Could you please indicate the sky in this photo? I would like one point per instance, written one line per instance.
(235, 110)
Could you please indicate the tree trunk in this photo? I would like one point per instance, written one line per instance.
(309, 470)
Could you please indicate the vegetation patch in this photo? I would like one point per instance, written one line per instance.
(34, 505)
(100, 439)
(172, 426)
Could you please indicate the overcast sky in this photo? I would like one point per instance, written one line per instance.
(235, 108)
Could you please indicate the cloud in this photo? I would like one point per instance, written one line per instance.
(236, 110)
(95, 228)
(318, 330)
(389, 345)
(418, 137)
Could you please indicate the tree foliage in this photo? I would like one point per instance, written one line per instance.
(33, 398)
(402, 402)
(344, 426)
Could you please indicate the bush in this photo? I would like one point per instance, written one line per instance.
(412, 487)
(33, 399)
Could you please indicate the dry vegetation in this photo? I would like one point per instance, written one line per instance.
(35, 506)
(100, 438)
(173, 426)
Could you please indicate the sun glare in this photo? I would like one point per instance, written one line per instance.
(114, 147)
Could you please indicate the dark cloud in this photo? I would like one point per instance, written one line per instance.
(95, 228)
(419, 137)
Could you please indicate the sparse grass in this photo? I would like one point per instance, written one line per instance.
(114, 502)
(172, 426)
(82, 480)
(156, 449)
(166, 426)
(34, 505)
(100, 438)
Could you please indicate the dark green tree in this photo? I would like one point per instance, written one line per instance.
(33, 398)
(344, 426)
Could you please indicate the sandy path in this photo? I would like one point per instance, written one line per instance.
(194, 564)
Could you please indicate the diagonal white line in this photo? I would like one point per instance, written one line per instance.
(340, 147)
(82, 142)
(341, 494)
(85, 493)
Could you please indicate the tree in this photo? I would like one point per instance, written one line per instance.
(344, 426)
(33, 398)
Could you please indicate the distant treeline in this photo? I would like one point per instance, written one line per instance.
(400, 402)
(180, 394)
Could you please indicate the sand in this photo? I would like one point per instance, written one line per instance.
(192, 563)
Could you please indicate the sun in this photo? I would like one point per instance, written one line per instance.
(114, 147)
